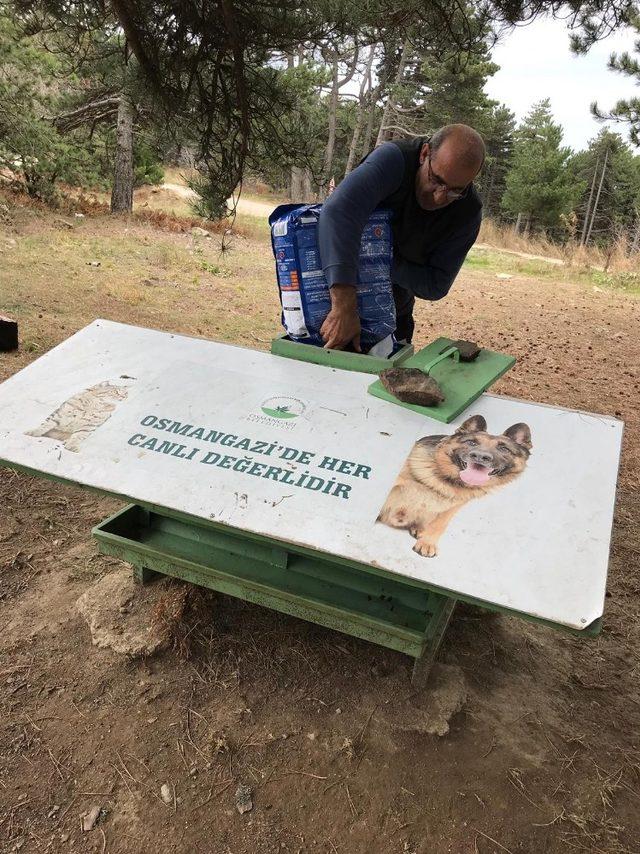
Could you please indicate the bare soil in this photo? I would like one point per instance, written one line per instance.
(539, 750)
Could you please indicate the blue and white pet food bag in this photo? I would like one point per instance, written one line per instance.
(304, 292)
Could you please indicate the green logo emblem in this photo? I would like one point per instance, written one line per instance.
(283, 407)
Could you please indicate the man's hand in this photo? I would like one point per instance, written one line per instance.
(342, 324)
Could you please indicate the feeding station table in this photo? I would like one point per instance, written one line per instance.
(271, 478)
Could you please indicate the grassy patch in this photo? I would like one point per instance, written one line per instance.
(503, 262)
(495, 261)
(57, 281)
(629, 281)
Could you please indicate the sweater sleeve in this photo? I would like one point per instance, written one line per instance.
(346, 211)
(433, 280)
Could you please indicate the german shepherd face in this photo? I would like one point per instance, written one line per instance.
(474, 460)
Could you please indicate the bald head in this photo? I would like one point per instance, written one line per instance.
(449, 162)
(462, 142)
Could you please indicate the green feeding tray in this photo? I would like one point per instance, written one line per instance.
(461, 382)
(341, 359)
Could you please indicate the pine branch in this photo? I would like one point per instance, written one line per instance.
(91, 113)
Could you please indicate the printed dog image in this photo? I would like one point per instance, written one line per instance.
(442, 473)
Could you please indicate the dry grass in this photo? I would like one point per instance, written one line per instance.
(125, 269)
(616, 260)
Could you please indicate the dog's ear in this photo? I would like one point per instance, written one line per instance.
(475, 424)
(520, 434)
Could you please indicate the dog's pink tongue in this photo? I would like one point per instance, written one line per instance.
(475, 475)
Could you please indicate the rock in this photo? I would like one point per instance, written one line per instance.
(90, 818)
(244, 802)
(79, 215)
(166, 794)
(8, 334)
(503, 276)
(131, 631)
(469, 350)
(196, 231)
(411, 385)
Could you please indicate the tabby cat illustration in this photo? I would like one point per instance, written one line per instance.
(77, 418)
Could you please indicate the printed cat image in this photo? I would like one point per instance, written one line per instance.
(78, 417)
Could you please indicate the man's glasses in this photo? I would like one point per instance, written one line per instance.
(452, 193)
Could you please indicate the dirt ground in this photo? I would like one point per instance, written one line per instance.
(542, 752)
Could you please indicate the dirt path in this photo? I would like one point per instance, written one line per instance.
(542, 753)
(180, 189)
(249, 207)
(546, 258)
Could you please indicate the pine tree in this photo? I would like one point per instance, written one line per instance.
(627, 111)
(499, 140)
(540, 190)
(610, 174)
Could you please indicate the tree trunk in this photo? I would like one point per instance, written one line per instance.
(382, 133)
(295, 181)
(595, 204)
(296, 188)
(362, 103)
(331, 139)
(516, 227)
(585, 225)
(122, 191)
(307, 192)
(489, 191)
(373, 101)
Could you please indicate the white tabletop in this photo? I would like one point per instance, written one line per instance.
(187, 425)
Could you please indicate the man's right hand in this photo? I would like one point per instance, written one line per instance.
(342, 325)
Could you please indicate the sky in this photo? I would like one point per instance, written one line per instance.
(536, 62)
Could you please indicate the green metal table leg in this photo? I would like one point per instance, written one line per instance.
(142, 574)
(434, 634)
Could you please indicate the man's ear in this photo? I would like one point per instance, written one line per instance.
(424, 152)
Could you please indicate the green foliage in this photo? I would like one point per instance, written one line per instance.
(33, 89)
(29, 146)
(626, 280)
(499, 134)
(147, 168)
(628, 110)
(539, 185)
(210, 203)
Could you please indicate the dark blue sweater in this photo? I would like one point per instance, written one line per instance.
(373, 183)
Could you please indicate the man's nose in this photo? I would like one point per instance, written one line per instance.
(481, 457)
